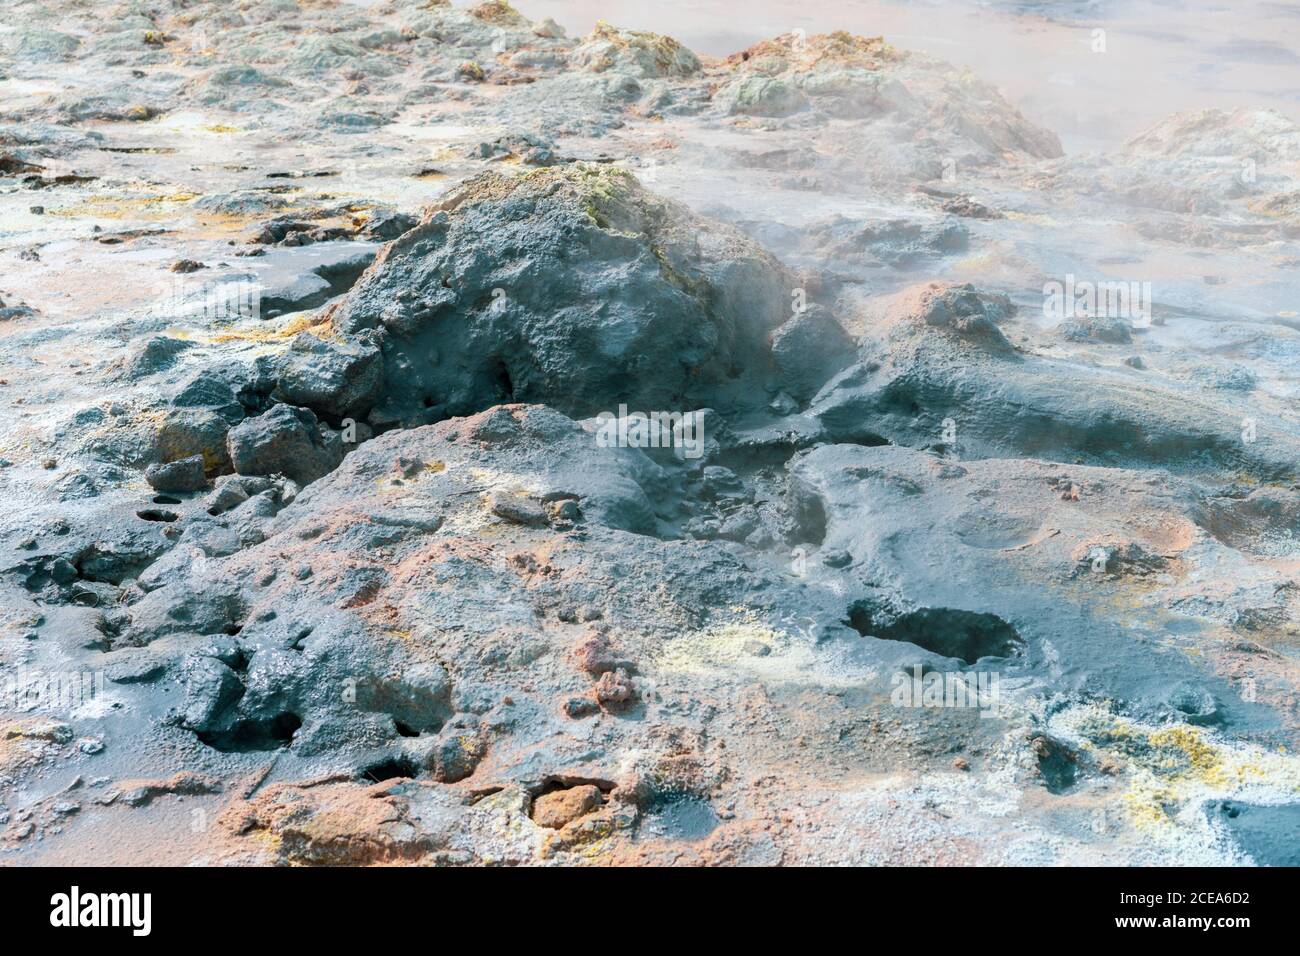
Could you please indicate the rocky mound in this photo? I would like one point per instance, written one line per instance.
(845, 76)
(575, 287)
(1208, 178)
(640, 54)
(937, 354)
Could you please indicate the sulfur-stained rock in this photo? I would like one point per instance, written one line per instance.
(615, 688)
(640, 54)
(553, 810)
(457, 750)
(559, 286)
(877, 536)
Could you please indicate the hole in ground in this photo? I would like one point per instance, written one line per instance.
(504, 384)
(949, 632)
(255, 735)
(389, 768)
(865, 439)
(555, 782)
(157, 514)
(1057, 764)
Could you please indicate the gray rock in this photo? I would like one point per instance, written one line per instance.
(936, 355)
(1096, 330)
(386, 225)
(134, 666)
(211, 689)
(483, 303)
(284, 441)
(518, 510)
(419, 697)
(808, 349)
(211, 538)
(457, 750)
(157, 354)
(335, 379)
(184, 475)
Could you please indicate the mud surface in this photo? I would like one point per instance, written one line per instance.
(441, 435)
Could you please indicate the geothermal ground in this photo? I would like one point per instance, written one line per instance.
(433, 436)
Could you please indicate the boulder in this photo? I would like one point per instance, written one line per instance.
(571, 286)
(285, 441)
(634, 52)
(184, 475)
(553, 810)
(335, 379)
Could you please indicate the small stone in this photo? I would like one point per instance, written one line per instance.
(518, 510)
(184, 475)
(615, 688)
(579, 707)
(553, 810)
(456, 753)
(722, 484)
(1135, 361)
(783, 404)
(756, 648)
(960, 763)
(596, 657)
(565, 512)
(134, 666)
(1096, 330)
(548, 29)
(187, 265)
(335, 379)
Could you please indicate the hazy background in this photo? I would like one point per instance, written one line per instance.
(1161, 57)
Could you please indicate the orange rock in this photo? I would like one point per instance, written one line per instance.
(555, 809)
